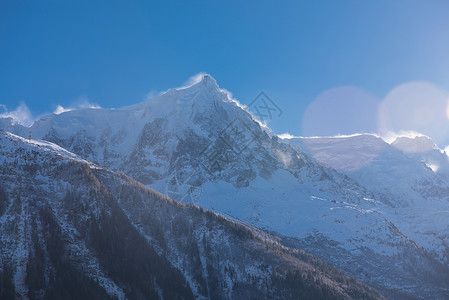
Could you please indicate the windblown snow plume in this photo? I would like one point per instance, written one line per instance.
(21, 115)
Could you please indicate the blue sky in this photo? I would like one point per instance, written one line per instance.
(113, 53)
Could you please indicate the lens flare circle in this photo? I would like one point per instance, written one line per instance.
(342, 111)
(447, 109)
(416, 106)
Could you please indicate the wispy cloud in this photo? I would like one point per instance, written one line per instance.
(447, 150)
(286, 135)
(60, 109)
(153, 93)
(21, 115)
(189, 83)
(193, 80)
(79, 103)
(284, 157)
(391, 136)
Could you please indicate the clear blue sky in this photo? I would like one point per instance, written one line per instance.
(116, 52)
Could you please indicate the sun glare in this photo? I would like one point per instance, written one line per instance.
(447, 109)
(418, 106)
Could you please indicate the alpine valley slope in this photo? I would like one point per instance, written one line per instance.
(73, 230)
(197, 144)
(409, 178)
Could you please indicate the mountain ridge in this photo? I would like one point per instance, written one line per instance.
(84, 231)
(225, 161)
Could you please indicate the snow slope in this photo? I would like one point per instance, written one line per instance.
(411, 194)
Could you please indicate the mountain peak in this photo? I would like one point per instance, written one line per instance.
(200, 80)
(416, 144)
(205, 80)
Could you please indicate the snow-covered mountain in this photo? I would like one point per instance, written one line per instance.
(409, 179)
(354, 202)
(74, 230)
